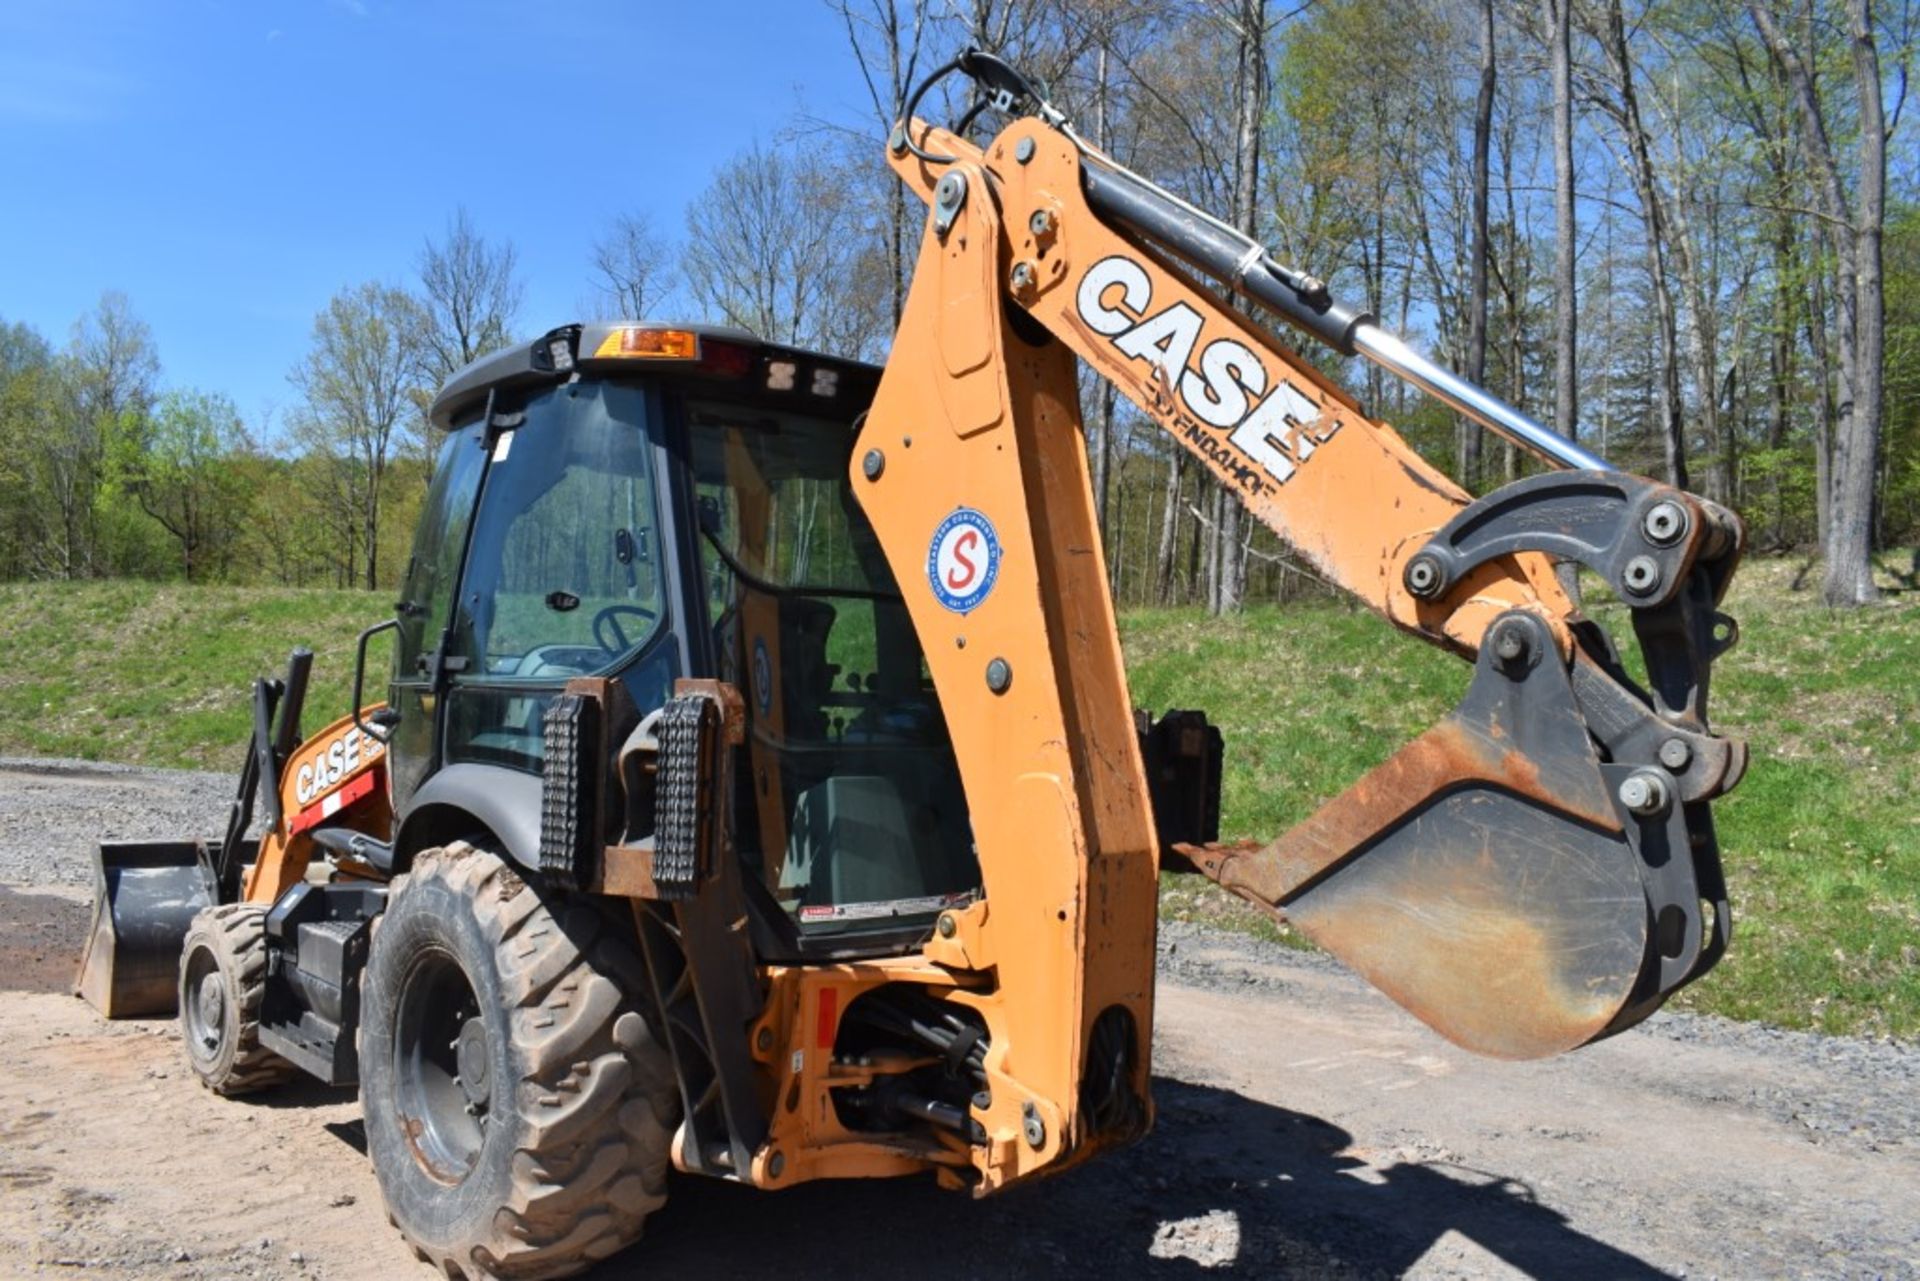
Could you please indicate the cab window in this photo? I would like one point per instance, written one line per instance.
(563, 578)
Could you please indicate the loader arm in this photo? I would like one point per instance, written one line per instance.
(1534, 873)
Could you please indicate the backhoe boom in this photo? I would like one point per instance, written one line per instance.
(1537, 871)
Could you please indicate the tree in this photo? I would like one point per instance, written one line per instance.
(1624, 106)
(633, 267)
(30, 391)
(1468, 433)
(473, 295)
(1566, 310)
(111, 368)
(886, 45)
(1248, 23)
(372, 358)
(776, 245)
(1857, 239)
(184, 477)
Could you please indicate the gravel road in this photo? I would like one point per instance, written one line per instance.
(1307, 1128)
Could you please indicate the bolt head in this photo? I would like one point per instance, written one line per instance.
(1664, 524)
(1023, 150)
(765, 1039)
(1033, 1127)
(776, 1165)
(947, 926)
(1023, 277)
(1675, 754)
(1041, 223)
(1644, 793)
(999, 675)
(1423, 576)
(873, 464)
(1510, 642)
(1642, 576)
(897, 140)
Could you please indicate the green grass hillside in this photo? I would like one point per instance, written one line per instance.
(1822, 838)
(159, 674)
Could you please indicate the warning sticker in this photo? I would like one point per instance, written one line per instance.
(884, 908)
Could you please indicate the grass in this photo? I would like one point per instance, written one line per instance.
(1821, 840)
(158, 674)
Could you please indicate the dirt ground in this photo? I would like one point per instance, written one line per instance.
(1306, 1128)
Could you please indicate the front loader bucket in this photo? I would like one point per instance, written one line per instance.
(145, 894)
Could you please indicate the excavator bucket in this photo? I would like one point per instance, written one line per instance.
(1500, 880)
(145, 894)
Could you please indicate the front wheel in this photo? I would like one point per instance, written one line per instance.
(518, 1106)
(223, 978)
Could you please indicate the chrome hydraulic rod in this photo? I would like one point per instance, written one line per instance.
(1394, 356)
(1229, 256)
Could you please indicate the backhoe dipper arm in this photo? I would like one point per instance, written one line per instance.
(1535, 872)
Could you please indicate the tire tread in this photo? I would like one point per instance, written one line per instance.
(592, 1162)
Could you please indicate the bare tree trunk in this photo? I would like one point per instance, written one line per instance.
(1566, 312)
(1169, 529)
(1826, 421)
(1251, 106)
(1848, 530)
(1703, 346)
(1780, 362)
(1101, 447)
(1102, 453)
(1210, 574)
(1117, 549)
(1670, 408)
(1849, 578)
(1468, 434)
(1197, 545)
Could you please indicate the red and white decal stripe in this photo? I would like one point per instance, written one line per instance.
(332, 803)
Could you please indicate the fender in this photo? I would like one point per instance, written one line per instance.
(459, 798)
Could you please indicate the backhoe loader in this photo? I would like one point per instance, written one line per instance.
(756, 790)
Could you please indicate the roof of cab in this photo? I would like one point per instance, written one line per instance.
(531, 363)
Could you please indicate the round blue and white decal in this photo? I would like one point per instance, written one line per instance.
(762, 675)
(963, 560)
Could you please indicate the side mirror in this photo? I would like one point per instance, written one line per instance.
(382, 723)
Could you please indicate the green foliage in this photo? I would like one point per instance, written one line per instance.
(184, 472)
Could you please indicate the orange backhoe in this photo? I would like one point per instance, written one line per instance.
(757, 789)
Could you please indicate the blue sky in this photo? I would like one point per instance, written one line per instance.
(229, 165)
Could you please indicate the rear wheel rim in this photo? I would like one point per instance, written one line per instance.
(204, 1003)
(441, 1045)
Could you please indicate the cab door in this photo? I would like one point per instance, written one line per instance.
(425, 610)
(563, 574)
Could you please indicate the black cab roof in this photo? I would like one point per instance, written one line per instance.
(635, 348)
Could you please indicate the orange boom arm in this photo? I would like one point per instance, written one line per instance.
(1501, 876)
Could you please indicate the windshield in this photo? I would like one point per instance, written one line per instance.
(857, 818)
(563, 578)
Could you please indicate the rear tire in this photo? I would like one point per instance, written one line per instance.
(223, 974)
(518, 1106)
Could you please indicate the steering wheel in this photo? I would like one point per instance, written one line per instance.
(607, 621)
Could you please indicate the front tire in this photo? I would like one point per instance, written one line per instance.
(518, 1107)
(223, 976)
